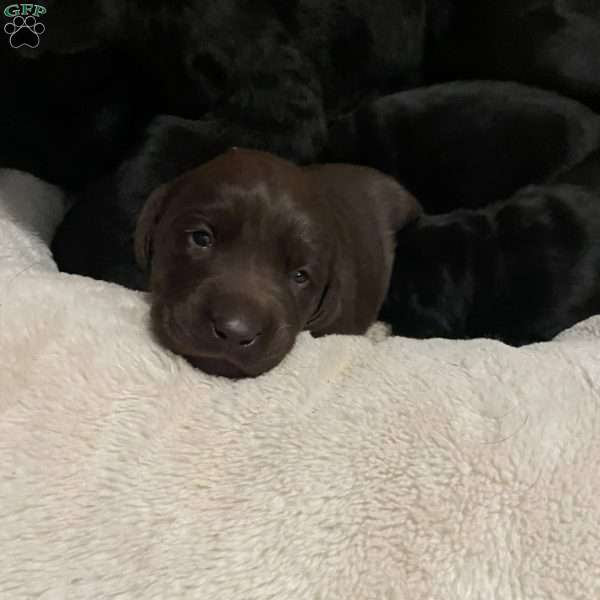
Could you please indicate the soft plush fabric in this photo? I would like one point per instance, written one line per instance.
(359, 469)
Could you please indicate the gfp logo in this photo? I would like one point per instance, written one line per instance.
(24, 29)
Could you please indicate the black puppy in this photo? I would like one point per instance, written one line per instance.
(520, 270)
(549, 43)
(264, 74)
(467, 144)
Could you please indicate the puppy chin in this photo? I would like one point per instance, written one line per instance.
(201, 353)
(225, 368)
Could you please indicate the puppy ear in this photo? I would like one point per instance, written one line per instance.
(364, 209)
(368, 194)
(146, 223)
(400, 207)
(329, 308)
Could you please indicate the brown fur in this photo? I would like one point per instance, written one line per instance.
(234, 308)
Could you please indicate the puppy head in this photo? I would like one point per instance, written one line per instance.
(245, 252)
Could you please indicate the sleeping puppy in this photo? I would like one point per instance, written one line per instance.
(248, 250)
(466, 144)
(520, 270)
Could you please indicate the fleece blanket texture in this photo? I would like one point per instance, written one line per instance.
(362, 468)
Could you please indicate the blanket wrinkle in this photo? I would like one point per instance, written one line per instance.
(361, 468)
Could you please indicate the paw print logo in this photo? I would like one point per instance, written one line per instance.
(24, 31)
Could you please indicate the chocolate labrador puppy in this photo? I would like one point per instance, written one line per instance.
(520, 270)
(248, 250)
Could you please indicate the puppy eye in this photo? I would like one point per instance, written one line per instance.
(202, 238)
(300, 277)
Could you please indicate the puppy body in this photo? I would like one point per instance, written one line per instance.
(466, 144)
(248, 250)
(520, 270)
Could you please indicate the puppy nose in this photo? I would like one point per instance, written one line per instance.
(236, 330)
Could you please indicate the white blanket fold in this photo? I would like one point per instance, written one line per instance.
(359, 469)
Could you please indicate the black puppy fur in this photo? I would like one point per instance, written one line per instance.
(467, 144)
(68, 118)
(264, 74)
(72, 107)
(548, 43)
(520, 270)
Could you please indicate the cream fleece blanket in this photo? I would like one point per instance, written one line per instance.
(360, 469)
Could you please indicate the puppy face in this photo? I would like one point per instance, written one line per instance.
(246, 252)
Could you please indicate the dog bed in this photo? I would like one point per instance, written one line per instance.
(361, 468)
